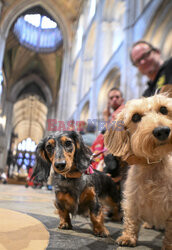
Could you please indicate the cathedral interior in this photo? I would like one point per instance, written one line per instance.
(59, 59)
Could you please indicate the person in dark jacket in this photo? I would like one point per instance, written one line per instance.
(148, 60)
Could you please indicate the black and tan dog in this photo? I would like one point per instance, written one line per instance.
(76, 192)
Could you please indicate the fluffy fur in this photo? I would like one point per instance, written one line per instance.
(75, 191)
(145, 141)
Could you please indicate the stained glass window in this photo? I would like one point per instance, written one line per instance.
(26, 153)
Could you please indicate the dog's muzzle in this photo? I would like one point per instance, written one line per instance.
(161, 133)
(60, 165)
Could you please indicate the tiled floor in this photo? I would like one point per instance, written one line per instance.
(38, 204)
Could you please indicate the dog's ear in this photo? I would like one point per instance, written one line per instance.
(43, 164)
(116, 138)
(82, 153)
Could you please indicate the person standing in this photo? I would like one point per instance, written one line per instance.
(148, 61)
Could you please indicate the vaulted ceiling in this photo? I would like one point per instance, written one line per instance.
(21, 62)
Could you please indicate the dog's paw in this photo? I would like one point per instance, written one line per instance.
(103, 233)
(126, 241)
(65, 226)
(166, 245)
(146, 225)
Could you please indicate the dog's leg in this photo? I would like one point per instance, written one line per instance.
(89, 199)
(147, 225)
(64, 204)
(131, 227)
(167, 242)
(65, 222)
(98, 222)
(114, 209)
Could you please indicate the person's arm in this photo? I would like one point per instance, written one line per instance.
(106, 113)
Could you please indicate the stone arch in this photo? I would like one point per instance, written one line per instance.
(24, 5)
(31, 121)
(16, 88)
(159, 30)
(111, 80)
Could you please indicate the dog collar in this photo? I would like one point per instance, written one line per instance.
(153, 162)
(72, 175)
(133, 160)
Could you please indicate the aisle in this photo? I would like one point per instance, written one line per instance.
(28, 222)
(21, 231)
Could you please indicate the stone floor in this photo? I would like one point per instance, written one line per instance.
(38, 204)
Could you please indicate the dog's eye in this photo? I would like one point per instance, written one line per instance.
(68, 143)
(163, 110)
(49, 148)
(136, 117)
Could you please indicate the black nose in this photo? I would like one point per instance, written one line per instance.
(161, 133)
(60, 165)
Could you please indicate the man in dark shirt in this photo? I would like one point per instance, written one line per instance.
(149, 62)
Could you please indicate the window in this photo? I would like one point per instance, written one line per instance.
(38, 32)
(26, 153)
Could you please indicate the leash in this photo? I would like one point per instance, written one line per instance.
(96, 154)
(90, 169)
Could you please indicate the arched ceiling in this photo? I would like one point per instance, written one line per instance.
(20, 61)
(29, 118)
(30, 111)
(159, 32)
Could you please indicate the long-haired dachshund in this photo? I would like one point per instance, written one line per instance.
(75, 191)
(146, 143)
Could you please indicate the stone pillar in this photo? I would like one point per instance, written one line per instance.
(127, 72)
(94, 91)
(80, 85)
(0, 7)
(6, 135)
(66, 80)
(3, 134)
(2, 48)
(51, 115)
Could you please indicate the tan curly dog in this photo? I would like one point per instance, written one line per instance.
(145, 142)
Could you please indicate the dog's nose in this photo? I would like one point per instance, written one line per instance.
(161, 133)
(60, 165)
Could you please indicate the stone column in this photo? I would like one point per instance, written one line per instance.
(51, 115)
(2, 48)
(64, 95)
(0, 7)
(94, 91)
(3, 134)
(6, 135)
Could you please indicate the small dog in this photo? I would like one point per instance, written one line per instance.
(146, 143)
(76, 192)
(112, 165)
